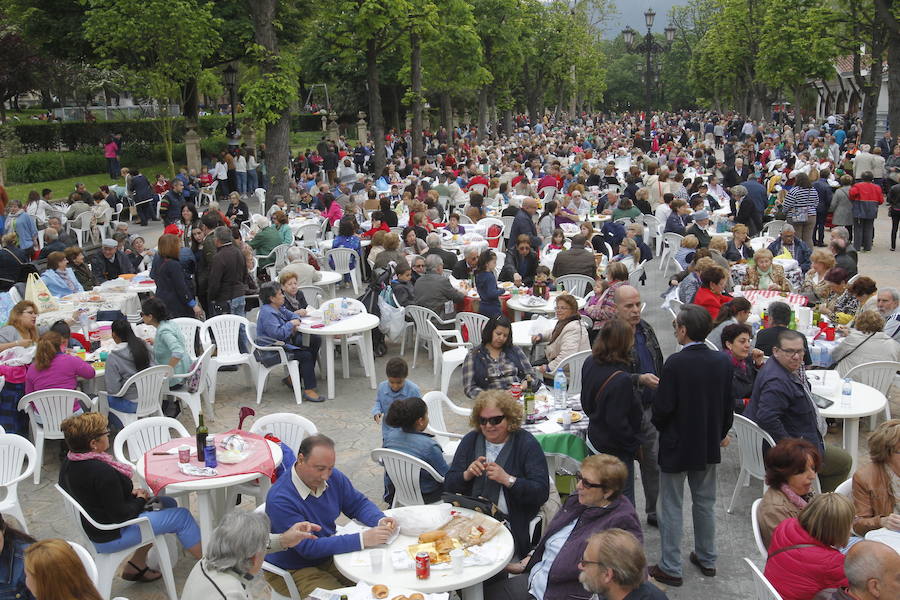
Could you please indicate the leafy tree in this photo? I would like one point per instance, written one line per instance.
(20, 65)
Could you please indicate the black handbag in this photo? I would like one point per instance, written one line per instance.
(477, 503)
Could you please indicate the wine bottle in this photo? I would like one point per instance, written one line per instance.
(202, 432)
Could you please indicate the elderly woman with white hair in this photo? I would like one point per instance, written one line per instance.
(299, 266)
(230, 570)
(265, 240)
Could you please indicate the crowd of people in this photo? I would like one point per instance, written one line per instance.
(553, 181)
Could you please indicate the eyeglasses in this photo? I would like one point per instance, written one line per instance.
(584, 563)
(418, 266)
(797, 352)
(491, 420)
(100, 435)
(586, 483)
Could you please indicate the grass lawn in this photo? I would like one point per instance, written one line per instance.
(63, 187)
(303, 140)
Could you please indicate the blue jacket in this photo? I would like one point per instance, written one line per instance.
(693, 415)
(781, 406)
(801, 252)
(525, 461)
(273, 325)
(674, 224)
(385, 396)
(284, 507)
(489, 293)
(421, 445)
(12, 572)
(825, 193)
(757, 193)
(57, 285)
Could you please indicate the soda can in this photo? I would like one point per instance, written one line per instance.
(516, 390)
(423, 565)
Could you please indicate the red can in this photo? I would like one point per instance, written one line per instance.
(423, 565)
(516, 390)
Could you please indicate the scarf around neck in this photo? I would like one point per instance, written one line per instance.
(796, 499)
(103, 457)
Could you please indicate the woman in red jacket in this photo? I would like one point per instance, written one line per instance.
(803, 554)
(710, 295)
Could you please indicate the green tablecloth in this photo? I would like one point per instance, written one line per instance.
(566, 451)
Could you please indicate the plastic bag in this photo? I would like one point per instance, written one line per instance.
(393, 319)
(36, 291)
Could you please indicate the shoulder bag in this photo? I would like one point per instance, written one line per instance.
(834, 365)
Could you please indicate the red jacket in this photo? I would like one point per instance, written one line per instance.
(866, 191)
(800, 573)
(370, 233)
(710, 301)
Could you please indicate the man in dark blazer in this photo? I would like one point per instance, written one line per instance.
(693, 411)
(433, 240)
(523, 224)
(577, 260)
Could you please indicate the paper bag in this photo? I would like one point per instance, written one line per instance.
(36, 291)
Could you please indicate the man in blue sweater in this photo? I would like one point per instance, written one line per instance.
(315, 491)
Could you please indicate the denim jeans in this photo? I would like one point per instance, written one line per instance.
(242, 182)
(252, 181)
(671, 527)
(169, 520)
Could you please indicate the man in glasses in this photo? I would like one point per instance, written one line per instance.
(613, 568)
(782, 405)
(695, 381)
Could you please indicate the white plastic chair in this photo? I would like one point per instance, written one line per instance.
(574, 362)
(576, 285)
(772, 228)
(149, 385)
(750, 437)
(478, 188)
(437, 426)
(81, 226)
(845, 489)
(507, 226)
(485, 225)
(651, 230)
(144, 435)
(260, 194)
(671, 242)
(878, 374)
(208, 194)
(403, 471)
(757, 534)
(15, 450)
(313, 294)
(226, 331)
(309, 234)
(445, 361)
(279, 254)
(474, 324)
(547, 193)
(108, 563)
(54, 406)
(279, 572)
(764, 589)
(635, 275)
(87, 561)
(420, 316)
(189, 328)
(262, 371)
(342, 258)
(358, 340)
(194, 399)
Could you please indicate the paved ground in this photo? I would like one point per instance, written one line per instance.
(347, 420)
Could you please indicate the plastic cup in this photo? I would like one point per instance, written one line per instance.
(457, 559)
(184, 454)
(376, 559)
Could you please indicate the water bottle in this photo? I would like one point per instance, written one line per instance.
(560, 385)
(344, 308)
(846, 393)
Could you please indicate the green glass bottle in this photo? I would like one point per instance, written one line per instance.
(202, 432)
(529, 401)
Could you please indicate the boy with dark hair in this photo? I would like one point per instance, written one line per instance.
(396, 386)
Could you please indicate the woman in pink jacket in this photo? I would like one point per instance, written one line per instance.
(333, 211)
(803, 554)
(52, 368)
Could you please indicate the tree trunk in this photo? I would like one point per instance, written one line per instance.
(482, 113)
(893, 58)
(395, 96)
(191, 104)
(870, 103)
(508, 122)
(446, 111)
(278, 152)
(415, 76)
(376, 113)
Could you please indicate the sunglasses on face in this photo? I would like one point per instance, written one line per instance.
(586, 483)
(491, 420)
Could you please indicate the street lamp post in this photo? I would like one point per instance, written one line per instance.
(230, 74)
(648, 47)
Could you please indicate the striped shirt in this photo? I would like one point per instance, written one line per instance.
(800, 203)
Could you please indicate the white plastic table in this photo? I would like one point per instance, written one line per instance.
(521, 332)
(211, 491)
(864, 402)
(357, 567)
(885, 536)
(515, 304)
(362, 323)
(329, 279)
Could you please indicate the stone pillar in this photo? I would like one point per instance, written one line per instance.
(334, 133)
(466, 118)
(361, 134)
(324, 122)
(250, 135)
(192, 149)
(426, 118)
(454, 119)
(407, 125)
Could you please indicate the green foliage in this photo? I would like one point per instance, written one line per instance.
(268, 94)
(624, 85)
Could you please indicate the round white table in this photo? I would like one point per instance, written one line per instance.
(329, 279)
(211, 491)
(362, 323)
(549, 308)
(357, 567)
(885, 536)
(864, 402)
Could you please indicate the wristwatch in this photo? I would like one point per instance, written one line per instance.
(511, 481)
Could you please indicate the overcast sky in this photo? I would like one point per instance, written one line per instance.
(631, 12)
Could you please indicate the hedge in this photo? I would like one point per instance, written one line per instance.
(37, 136)
(37, 167)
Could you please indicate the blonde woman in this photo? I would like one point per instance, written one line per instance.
(876, 486)
(53, 571)
(765, 274)
(567, 337)
(815, 287)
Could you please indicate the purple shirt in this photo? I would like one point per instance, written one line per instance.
(63, 373)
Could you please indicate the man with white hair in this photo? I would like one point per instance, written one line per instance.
(889, 308)
(298, 265)
(513, 208)
(873, 570)
(465, 266)
(265, 240)
(433, 241)
(863, 161)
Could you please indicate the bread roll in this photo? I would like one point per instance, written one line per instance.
(432, 536)
(379, 591)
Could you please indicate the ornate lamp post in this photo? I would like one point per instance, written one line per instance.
(230, 74)
(648, 47)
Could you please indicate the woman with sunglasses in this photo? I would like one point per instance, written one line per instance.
(551, 570)
(503, 463)
(102, 486)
